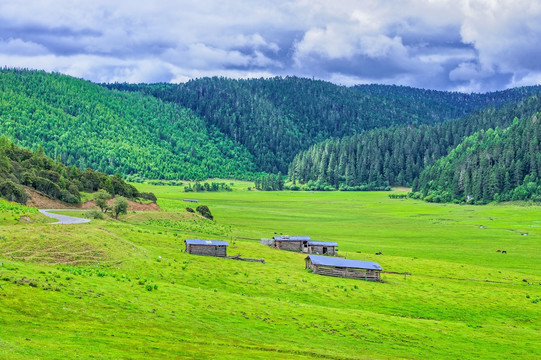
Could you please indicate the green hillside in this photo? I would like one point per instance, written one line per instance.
(124, 289)
(397, 155)
(277, 118)
(20, 168)
(492, 165)
(84, 124)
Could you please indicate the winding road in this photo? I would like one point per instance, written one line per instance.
(63, 219)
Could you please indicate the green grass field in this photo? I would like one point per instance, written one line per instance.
(125, 290)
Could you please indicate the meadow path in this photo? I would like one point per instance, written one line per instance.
(63, 219)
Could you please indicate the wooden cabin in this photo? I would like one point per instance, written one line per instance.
(331, 266)
(286, 242)
(206, 247)
(320, 247)
(303, 244)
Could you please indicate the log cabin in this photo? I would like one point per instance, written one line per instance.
(331, 266)
(303, 244)
(286, 242)
(206, 247)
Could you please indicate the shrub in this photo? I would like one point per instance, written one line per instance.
(148, 196)
(13, 192)
(190, 210)
(204, 211)
(94, 214)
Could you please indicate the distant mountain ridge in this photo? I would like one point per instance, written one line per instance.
(312, 130)
(277, 118)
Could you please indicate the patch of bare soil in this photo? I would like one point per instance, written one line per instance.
(42, 201)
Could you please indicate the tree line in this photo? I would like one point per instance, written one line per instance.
(396, 156)
(492, 165)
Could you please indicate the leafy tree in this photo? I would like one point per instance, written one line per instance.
(120, 206)
(101, 198)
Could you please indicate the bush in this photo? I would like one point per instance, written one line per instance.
(204, 211)
(94, 214)
(190, 210)
(13, 192)
(68, 197)
(148, 196)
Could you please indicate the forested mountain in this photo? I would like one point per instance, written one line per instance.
(277, 118)
(84, 124)
(397, 155)
(501, 165)
(340, 137)
(20, 167)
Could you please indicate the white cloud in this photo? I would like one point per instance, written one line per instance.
(444, 44)
(20, 47)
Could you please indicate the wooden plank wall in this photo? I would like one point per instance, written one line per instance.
(208, 250)
(363, 274)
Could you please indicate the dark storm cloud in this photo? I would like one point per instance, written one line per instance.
(469, 45)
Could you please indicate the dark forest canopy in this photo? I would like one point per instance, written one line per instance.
(491, 165)
(21, 167)
(396, 155)
(277, 118)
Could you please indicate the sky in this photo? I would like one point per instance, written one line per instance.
(454, 45)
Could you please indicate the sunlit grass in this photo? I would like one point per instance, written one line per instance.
(125, 288)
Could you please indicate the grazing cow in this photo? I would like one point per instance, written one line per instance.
(498, 251)
(504, 252)
(379, 253)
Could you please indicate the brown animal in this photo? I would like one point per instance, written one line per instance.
(498, 251)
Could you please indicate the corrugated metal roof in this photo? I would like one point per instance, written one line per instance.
(322, 243)
(206, 242)
(292, 238)
(346, 263)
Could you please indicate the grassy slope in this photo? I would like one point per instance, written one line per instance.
(463, 300)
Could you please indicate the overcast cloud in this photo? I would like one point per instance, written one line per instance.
(462, 45)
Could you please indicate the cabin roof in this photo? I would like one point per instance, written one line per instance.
(322, 243)
(291, 238)
(344, 263)
(206, 242)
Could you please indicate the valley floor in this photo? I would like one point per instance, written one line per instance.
(126, 290)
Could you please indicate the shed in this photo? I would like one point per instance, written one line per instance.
(191, 200)
(206, 247)
(357, 269)
(320, 247)
(286, 242)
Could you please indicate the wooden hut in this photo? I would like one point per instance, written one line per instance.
(286, 242)
(206, 247)
(331, 266)
(320, 247)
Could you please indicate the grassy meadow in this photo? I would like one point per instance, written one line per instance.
(125, 290)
